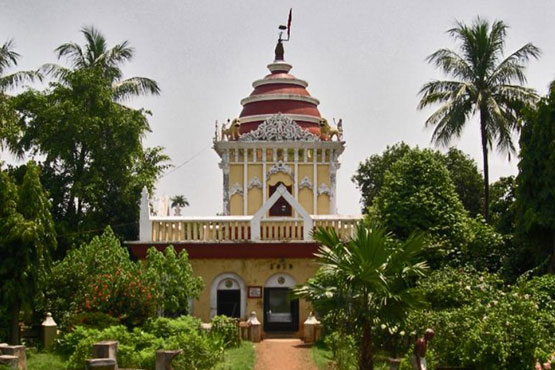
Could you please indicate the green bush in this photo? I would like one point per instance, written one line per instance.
(344, 350)
(164, 328)
(200, 351)
(96, 320)
(226, 328)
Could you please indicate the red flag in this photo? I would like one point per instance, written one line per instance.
(289, 23)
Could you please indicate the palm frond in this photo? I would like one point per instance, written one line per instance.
(512, 68)
(16, 79)
(55, 71)
(73, 52)
(8, 56)
(451, 63)
(135, 86)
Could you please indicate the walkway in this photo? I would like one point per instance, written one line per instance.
(283, 354)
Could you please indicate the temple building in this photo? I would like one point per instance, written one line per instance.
(279, 162)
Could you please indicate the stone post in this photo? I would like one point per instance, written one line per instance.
(145, 226)
(17, 351)
(101, 364)
(9, 361)
(49, 331)
(255, 332)
(311, 329)
(106, 349)
(244, 328)
(164, 359)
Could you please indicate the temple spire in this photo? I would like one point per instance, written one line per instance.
(279, 52)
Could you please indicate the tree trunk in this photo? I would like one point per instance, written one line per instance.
(365, 361)
(483, 132)
(14, 322)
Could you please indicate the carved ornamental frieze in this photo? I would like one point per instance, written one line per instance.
(279, 128)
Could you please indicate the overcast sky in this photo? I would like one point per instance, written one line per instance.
(364, 61)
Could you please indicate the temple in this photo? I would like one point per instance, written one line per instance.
(279, 162)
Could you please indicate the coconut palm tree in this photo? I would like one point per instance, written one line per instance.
(483, 83)
(179, 201)
(9, 58)
(96, 53)
(370, 277)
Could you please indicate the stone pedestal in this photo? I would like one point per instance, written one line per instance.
(164, 359)
(106, 349)
(101, 364)
(9, 361)
(311, 329)
(18, 352)
(49, 331)
(255, 330)
(244, 330)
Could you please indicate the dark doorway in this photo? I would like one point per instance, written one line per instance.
(229, 303)
(281, 207)
(281, 313)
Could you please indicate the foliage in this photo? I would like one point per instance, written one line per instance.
(27, 237)
(226, 328)
(9, 58)
(483, 82)
(164, 328)
(418, 195)
(96, 320)
(98, 277)
(171, 277)
(43, 360)
(464, 173)
(369, 176)
(374, 276)
(179, 201)
(77, 127)
(485, 249)
(535, 214)
(343, 349)
(481, 324)
(501, 206)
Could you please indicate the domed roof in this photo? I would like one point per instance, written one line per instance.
(280, 92)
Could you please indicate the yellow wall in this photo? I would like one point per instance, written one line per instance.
(255, 194)
(254, 272)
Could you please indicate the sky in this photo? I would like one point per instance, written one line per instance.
(364, 61)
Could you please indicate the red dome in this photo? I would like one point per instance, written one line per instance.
(280, 92)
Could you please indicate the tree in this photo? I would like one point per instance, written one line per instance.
(172, 277)
(462, 169)
(179, 201)
(535, 195)
(375, 275)
(466, 178)
(370, 174)
(9, 58)
(482, 83)
(27, 236)
(95, 165)
(95, 54)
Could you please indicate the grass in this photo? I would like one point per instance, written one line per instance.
(44, 361)
(240, 358)
(321, 355)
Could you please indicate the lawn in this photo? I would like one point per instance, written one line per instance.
(321, 355)
(240, 358)
(44, 361)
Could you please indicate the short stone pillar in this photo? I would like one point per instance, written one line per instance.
(9, 361)
(49, 331)
(164, 358)
(244, 330)
(106, 349)
(101, 364)
(311, 329)
(17, 351)
(255, 331)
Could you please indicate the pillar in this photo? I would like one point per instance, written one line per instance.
(49, 330)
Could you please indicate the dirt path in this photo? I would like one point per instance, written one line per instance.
(283, 354)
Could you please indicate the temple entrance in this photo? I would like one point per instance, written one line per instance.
(229, 303)
(281, 309)
(281, 207)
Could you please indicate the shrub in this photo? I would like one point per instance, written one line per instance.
(344, 350)
(200, 352)
(226, 328)
(164, 328)
(96, 320)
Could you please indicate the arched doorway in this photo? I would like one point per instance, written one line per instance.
(227, 296)
(281, 309)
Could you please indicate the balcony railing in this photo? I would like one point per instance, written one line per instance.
(238, 228)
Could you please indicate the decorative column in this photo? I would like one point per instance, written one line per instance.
(334, 166)
(245, 189)
(263, 175)
(224, 165)
(315, 181)
(145, 226)
(296, 184)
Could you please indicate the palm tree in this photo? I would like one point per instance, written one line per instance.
(482, 82)
(369, 276)
(179, 201)
(9, 58)
(95, 53)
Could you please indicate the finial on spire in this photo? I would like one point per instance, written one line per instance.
(279, 51)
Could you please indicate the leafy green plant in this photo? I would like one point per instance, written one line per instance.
(226, 328)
